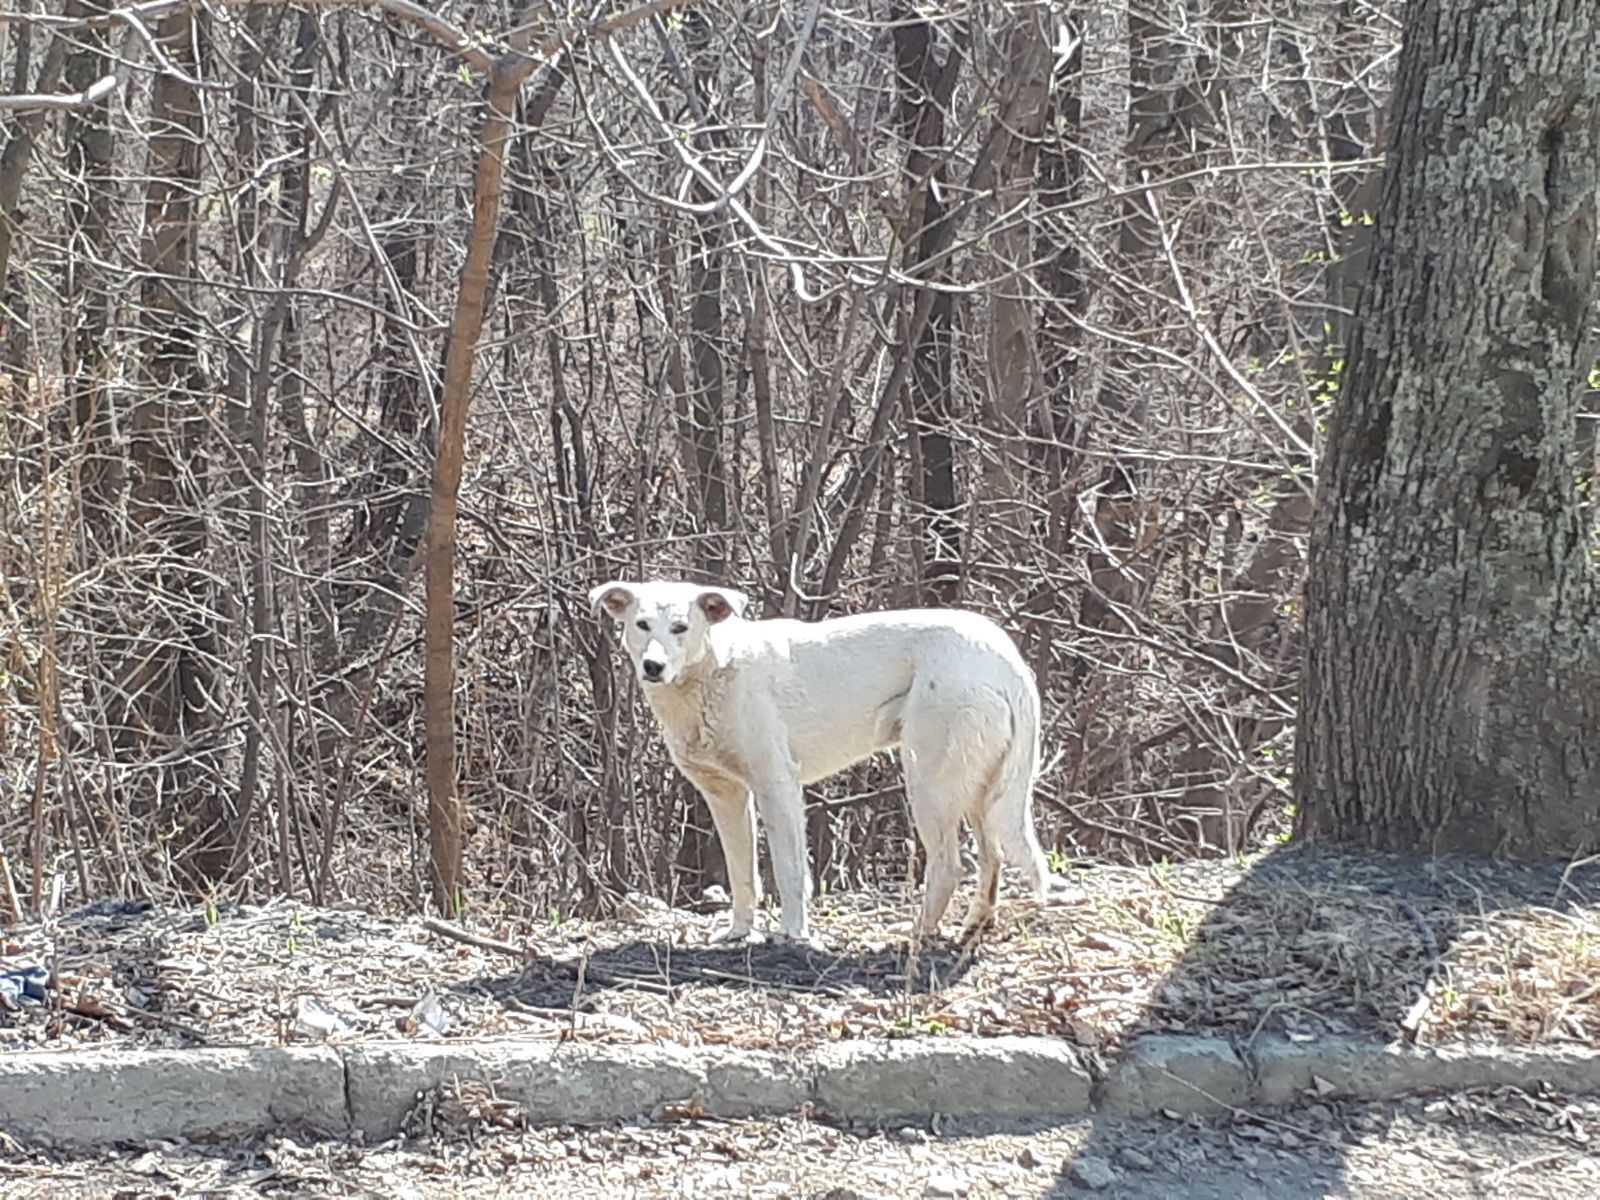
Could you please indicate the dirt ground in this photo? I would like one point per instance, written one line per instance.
(1288, 944)
(1502, 1144)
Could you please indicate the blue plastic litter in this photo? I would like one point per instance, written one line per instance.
(24, 984)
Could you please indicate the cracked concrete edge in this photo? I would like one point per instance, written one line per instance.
(98, 1097)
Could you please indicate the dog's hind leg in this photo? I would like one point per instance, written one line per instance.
(941, 841)
(991, 857)
(950, 762)
(935, 794)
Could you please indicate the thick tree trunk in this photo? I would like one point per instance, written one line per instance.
(1451, 695)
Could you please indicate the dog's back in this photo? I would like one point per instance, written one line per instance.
(948, 687)
(841, 685)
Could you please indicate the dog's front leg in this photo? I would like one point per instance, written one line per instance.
(782, 806)
(735, 818)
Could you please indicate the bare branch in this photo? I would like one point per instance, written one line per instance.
(66, 102)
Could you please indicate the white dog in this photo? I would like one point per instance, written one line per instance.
(758, 709)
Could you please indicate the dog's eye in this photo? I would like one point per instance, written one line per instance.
(679, 627)
(643, 624)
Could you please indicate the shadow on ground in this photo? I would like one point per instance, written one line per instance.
(774, 967)
(1310, 944)
(1302, 945)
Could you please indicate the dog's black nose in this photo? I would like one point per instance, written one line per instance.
(652, 670)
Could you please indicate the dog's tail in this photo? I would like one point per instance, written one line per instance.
(1011, 803)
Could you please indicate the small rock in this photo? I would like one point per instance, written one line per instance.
(1290, 1140)
(1136, 1160)
(1027, 1158)
(944, 1187)
(148, 1163)
(1437, 1110)
(1092, 1174)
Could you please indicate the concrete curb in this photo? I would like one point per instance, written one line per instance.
(96, 1097)
(1179, 1074)
(1003, 1078)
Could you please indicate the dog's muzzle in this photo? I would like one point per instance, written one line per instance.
(652, 670)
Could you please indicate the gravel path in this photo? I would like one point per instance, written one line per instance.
(1502, 1145)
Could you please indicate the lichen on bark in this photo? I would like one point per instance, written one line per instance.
(1452, 682)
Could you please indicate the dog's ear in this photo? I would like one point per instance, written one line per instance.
(612, 598)
(719, 604)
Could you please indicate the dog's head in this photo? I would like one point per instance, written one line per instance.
(666, 627)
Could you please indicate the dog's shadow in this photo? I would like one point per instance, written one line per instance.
(661, 967)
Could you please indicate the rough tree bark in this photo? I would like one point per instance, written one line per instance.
(1451, 692)
(88, 348)
(169, 676)
(924, 87)
(1005, 487)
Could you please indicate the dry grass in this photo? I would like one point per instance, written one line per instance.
(1286, 944)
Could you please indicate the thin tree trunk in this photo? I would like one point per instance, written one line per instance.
(170, 674)
(758, 332)
(444, 801)
(1170, 123)
(279, 327)
(101, 470)
(1059, 336)
(1015, 380)
(924, 88)
(445, 817)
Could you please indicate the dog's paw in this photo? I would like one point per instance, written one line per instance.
(804, 941)
(973, 932)
(732, 936)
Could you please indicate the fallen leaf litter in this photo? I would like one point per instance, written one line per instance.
(1289, 944)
